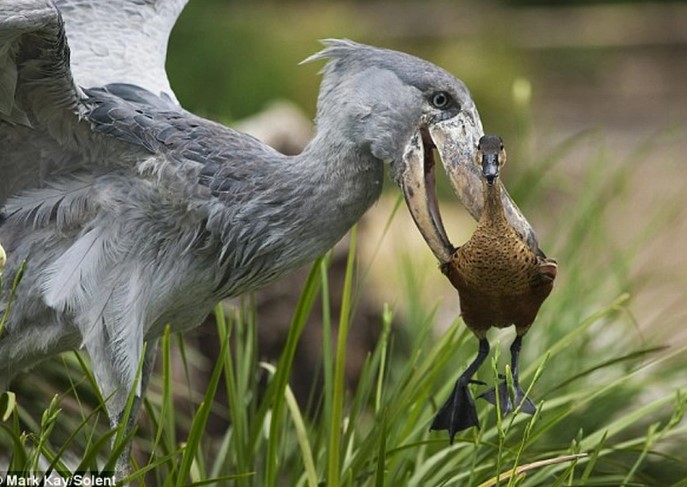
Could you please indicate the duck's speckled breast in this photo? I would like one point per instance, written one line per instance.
(499, 279)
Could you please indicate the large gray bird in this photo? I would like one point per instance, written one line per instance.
(132, 213)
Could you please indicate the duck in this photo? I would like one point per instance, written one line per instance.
(501, 281)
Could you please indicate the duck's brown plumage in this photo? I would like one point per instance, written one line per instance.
(500, 280)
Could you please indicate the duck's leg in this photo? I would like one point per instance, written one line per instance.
(458, 412)
(519, 398)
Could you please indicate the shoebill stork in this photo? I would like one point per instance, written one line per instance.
(132, 213)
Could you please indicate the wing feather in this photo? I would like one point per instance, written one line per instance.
(77, 271)
(93, 283)
(120, 41)
(67, 201)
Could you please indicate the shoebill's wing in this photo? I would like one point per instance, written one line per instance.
(120, 41)
(48, 53)
(40, 106)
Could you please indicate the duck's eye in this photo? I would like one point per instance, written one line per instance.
(440, 99)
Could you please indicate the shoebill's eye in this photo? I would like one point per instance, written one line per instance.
(440, 100)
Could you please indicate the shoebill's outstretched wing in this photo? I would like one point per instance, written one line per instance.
(49, 52)
(120, 41)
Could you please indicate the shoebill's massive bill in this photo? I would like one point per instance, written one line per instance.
(132, 213)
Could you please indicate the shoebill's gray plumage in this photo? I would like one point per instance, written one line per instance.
(132, 213)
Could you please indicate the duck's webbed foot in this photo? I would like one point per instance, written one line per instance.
(458, 412)
(506, 404)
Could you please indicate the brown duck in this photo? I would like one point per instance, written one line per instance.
(501, 281)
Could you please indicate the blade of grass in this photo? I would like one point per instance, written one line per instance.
(19, 458)
(523, 469)
(301, 432)
(650, 438)
(48, 421)
(276, 388)
(336, 420)
(8, 403)
(191, 449)
(13, 292)
(327, 343)
(237, 409)
(593, 459)
(381, 454)
(387, 317)
(163, 423)
(608, 363)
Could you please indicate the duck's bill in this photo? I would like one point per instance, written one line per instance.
(456, 142)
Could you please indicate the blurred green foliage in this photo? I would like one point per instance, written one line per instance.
(228, 59)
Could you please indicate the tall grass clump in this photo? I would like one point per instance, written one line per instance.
(610, 401)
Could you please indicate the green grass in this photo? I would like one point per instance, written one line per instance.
(611, 403)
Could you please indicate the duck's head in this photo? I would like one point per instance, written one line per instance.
(491, 156)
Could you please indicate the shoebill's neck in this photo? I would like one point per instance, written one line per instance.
(336, 182)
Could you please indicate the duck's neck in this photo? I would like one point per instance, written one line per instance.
(493, 207)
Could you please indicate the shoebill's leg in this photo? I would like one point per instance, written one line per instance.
(458, 412)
